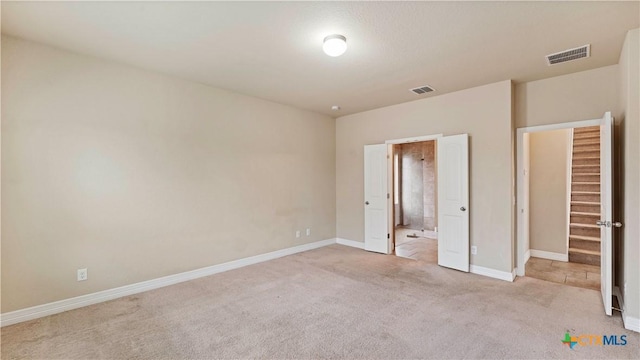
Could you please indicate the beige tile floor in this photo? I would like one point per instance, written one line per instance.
(574, 274)
(420, 248)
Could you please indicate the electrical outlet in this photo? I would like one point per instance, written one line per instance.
(297, 233)
(474, 250)
(308, 231)
(82, 274)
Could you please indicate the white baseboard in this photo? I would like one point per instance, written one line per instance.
(527, 256)
(56, 307)
(630, 323)
(496, 274)
(549, 255)
(355, 244)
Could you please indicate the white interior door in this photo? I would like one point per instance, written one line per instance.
(376, 235)
(453, 202)
(606, 210)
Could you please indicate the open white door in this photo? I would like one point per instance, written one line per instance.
(376, 235)
(453, 202)
(606, 210)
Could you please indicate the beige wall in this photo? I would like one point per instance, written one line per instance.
(485, 114)
(548, 151)
(137, 175)
(629, 280)
(579, 96)
(587, 95)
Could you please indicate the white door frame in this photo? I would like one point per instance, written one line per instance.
(390, 207)
(522, 221)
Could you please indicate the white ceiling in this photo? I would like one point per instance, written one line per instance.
(273, 50)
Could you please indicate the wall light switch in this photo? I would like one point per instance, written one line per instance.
(297, 233)
(308, 231)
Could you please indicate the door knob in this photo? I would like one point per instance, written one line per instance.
(608, 223)
(462, 208)
(366, 203)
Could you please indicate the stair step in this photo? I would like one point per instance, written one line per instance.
(581, 136)
(586, 147)
(584, 129)
(590, 226)
(589, 259)
(585, 196)
(579, 213)
(586, 154)
(586, 192)
(586, 141)
(588, 174)
(583, 237)
(585, 186)
(582, 251)
(579, 151)
(585, 203)
(595, 161)
(593, 158)
(585, 169)
(585, 178)
(577, 228)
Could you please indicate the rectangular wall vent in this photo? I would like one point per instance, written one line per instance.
(569, 55)
(422, 89)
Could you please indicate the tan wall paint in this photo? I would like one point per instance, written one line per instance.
(137, 175)
(587, 95)
(629, 281)
(483, 112)
(579, 96)
(548, 190)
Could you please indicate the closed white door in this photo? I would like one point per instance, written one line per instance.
(606, 210)
(453, 202)
(376, 235)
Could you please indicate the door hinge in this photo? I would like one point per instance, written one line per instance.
(388, 236)
(387, 195)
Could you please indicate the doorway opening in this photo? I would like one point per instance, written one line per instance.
(452, 174)
(415, 200)
(563, 175)
(581, 201)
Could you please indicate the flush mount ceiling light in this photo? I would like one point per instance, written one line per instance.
(334, 45)
(335, 107)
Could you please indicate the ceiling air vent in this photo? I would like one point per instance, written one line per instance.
(422, 89)
(569, 55)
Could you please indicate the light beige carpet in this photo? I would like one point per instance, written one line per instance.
(334, 302)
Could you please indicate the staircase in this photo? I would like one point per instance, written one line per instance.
(584, 234)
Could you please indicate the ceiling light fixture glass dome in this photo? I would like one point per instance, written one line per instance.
(334, 45)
